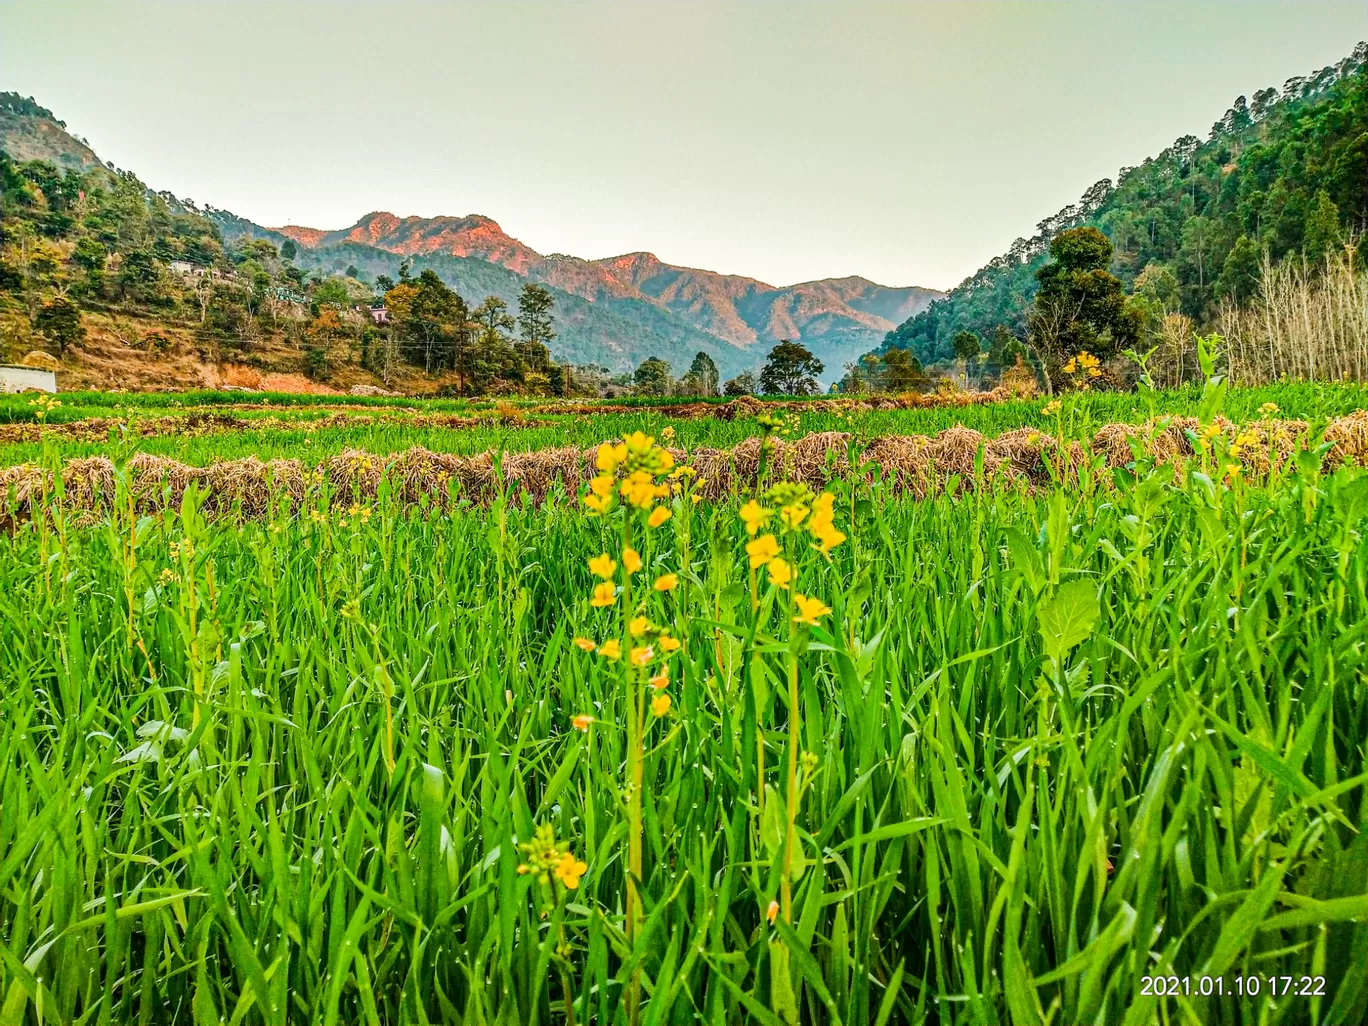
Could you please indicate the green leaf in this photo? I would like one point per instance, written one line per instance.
(1068, 617)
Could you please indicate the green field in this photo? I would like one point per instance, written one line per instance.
(289, 435)
(1044, 746)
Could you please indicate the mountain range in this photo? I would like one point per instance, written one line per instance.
(615, 312)
(734, 318)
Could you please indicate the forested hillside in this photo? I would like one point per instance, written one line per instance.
(1284, 172)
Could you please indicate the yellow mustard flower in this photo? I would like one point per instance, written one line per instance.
(762, 550)
(569, 870)
(604, 595)
(666, 582)
(791, 516)
(780, 573)
(598, 503)
(586, 644)
(610, 457)
(639, 626)
(658, 516)
(638, 443)
(581, 722)
(755, 516)
(772, 912)
(668, 643)
(809, 609)
(603, 566)
(660, 705)
(828, 537)
(601, 485)
(641, 655)
(631, 559)
(611, 650)
(660, 680)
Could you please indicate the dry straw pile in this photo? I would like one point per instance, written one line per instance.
(956, 458)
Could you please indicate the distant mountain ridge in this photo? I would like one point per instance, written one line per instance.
(835, 317)
(616, 311)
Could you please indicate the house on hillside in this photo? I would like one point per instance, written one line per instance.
(185, 269)
(379, 314)
(26, 379)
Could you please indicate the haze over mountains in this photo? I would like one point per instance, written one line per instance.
(615, 312)
(834, 317)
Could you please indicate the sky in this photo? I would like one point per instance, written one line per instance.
(779, 139)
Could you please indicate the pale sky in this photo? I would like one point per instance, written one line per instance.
(788, 141)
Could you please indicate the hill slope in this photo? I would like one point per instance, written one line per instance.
(1283, 172)
(614, 312)
(836, 318)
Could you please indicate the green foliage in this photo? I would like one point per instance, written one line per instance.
(790, 369)
(744, 383)
(59, 321)
(535, 327)
(284, 770)
(702, 378)
(1284, 172)
(652, 377)
(1079, 305)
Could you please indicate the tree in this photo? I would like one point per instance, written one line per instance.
(288, 250)
(89, 254)
(59, 321)
(652, 377)
(492, 354)
(791, 369)
(902, 372)
(1322, 228)
(967, 348)
(332, 292)
(1080, 304)
(743, 384)
(702, 378)
(383, 283)
(352, 272)
(1240, 274)
(535, 327)
(430, 316)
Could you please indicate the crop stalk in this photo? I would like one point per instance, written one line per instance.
(635, 715)
(790, 835)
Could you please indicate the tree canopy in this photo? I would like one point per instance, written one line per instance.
(790, 369)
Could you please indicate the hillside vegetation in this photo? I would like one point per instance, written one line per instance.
(1282, 175)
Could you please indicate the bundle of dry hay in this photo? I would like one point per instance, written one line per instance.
(902, 460)
(815, 459)
(88, 482)
(910, 462)
(747, 457)
(714, 475)
(743, 406)
(1025, 452)
(537, 472)
(286, 477)
(419, 472)
(1349, 438)
(157, 482)
(1119, 443)
(355, 474)
(24, 484)
(955, 451)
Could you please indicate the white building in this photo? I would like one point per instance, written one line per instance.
(26, 379)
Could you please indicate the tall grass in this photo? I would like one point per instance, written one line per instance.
(284, 770)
